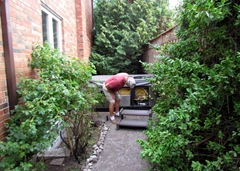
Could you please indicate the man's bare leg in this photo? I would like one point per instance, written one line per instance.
(117, 105)
(111, 111)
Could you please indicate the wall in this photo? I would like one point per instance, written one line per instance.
(166, 37)
(26, 29)
(4, 108)
(84, 15)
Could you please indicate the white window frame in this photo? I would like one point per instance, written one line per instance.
(50, 16)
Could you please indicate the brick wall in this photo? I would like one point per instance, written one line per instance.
(84, 27)
(88, 25)
(25, 23)
(26, 28)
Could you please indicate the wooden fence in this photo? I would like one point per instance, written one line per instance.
(164, 38)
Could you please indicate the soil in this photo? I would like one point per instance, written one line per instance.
(72, 164)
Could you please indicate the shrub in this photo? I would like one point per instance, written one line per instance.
(60, 95)
(197, 110)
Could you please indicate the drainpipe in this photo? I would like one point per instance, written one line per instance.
(92, 16)
(8, 55)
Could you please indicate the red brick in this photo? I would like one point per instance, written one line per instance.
(4, 118)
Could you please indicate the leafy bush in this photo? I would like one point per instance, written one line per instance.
(60, 95)
(198, 107)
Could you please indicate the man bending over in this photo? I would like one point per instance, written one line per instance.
(111, 87)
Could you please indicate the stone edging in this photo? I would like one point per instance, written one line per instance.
(97, 149)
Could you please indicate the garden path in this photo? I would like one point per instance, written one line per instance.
(121, 151)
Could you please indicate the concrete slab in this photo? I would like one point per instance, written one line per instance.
(55, 153)
(57, 162)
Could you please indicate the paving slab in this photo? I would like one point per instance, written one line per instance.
(57, 162)
(55, 153)
(121, 151)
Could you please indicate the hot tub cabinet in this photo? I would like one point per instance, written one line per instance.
(141, 97)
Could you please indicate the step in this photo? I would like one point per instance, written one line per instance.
(55, 153)
(132, 123)
(133, 112)
(57, 162)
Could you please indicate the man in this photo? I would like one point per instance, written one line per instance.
(111, 87)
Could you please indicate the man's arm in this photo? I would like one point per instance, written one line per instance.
(109, 89)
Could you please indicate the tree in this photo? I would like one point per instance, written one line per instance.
(198, 108)
(122, 27)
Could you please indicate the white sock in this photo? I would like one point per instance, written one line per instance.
(117, 114)
(112, 117)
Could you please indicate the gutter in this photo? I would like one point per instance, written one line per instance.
(8, 55)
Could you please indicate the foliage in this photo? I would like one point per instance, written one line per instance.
(197, 82)
(60, 97)
(122, 28)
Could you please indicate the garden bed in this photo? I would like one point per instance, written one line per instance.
(71, 163)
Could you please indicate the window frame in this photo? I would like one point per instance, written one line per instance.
(51, 15)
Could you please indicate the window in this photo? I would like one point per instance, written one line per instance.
(51, 28)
